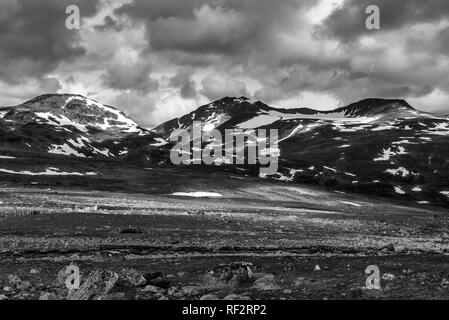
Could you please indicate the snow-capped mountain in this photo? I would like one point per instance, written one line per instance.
(72, 125)
(244, 114)
(376, 146)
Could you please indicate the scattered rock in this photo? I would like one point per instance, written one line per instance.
(3, 297)
(266, 283)
(192, 290)
(209, 297)
(174, 292)
(152, 289)
(13, 280)
(388, 277)
(18, 283)
(157, 279)
(288, 291)
(97, 285)
(114, 296)
(236, 297)
(407, 271)
(232, 275)
(163, 298)
(444, 284)
(34, 271)
(317, 268)
(388, 248)
(300, 281)
(49, 296)
(133, 277)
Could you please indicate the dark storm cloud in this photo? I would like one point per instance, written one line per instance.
(155, 9)
(348, 21)
(261, 40)
(183, 81)
(224, 27)
(33, 36)
(165, 55)
(130, 76)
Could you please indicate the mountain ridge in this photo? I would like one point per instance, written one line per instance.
(376, 146)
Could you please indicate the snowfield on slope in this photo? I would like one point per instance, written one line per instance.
(198, 194)
(48, 172)
(269, 117)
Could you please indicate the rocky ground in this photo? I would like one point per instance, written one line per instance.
(260, 240)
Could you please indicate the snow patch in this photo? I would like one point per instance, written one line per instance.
(292, 174)
(351, 203)
(296, 130)
(400, 172)
(198, 194)
(66, 150)
(331, 169)
(269, 117)
(388, 153)
(159, 142)
(48, 172)
(399, 190)
(215, 120)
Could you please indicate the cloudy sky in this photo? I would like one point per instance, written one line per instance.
(159, 59)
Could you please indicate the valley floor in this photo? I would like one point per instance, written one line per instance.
(297, 242)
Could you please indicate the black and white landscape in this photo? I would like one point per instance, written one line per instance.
(94, 96)
(360, 185)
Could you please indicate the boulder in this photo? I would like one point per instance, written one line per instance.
(157, 279)
(266, 283)
(152, 289)
(97, 285)
(18, 283)
(192, 291)
(132, 277)
(232, 275)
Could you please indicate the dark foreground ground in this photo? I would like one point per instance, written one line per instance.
(260, 240)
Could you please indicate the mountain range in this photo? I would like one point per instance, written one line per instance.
(374, 146)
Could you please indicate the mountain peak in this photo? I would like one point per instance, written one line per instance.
(53, 96)
(379, 102)
(375, 106)
(75, 111)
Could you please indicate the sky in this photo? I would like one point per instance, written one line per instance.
(160, 59)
